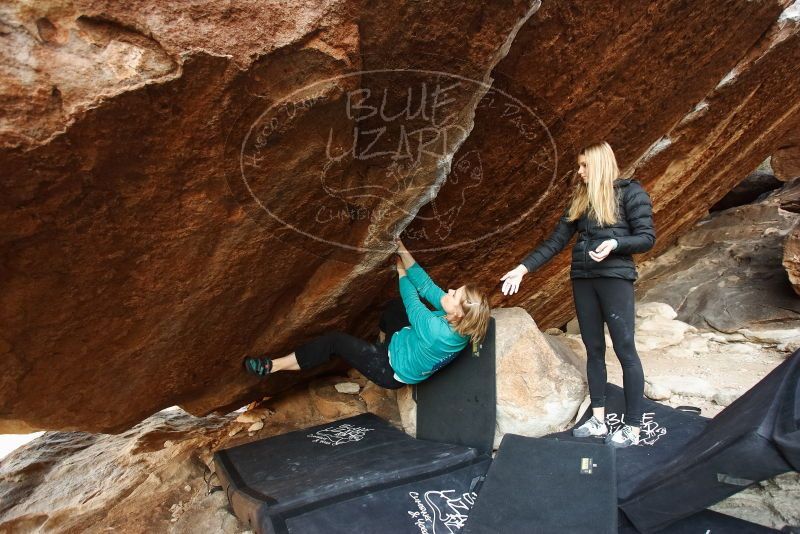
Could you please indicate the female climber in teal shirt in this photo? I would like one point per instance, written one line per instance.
(415, 341)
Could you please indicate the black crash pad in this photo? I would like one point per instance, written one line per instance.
(437, 503)
(753, 439)
(537, 485)
(665, 432)
(458, 404)
(787, 424)
(274, 481)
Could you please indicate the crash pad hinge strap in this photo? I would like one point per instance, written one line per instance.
(237, 479)
(208, 474)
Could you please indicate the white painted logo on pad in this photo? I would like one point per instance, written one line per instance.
(339, 435)
(650, 431)
(441, 512)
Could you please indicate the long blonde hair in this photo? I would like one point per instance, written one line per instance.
(477, 312)
(598, 196)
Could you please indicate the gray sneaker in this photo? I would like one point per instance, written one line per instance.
(591, 428)
(623, 437)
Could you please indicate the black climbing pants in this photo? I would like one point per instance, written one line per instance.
(371, 359)
(610, 301)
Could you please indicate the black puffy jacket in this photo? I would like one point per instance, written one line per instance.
(633, 231)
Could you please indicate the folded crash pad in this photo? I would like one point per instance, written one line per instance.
(458, 404)
(753, 439)
(281, 481)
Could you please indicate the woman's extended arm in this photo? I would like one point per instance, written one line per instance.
(422, 320)
(551, 246)
(404, 254)
(417, 275)
(541, 254)
(639, 212)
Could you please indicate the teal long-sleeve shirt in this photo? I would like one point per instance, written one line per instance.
(419, 350)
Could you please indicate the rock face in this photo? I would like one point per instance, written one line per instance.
(181, 188)
(772, 502)
(786, 160)
(148, 155)
(147, 479)
(656, 327)
(682, 362)
(791, 248)
(790, 198)
(151, 477)
(726, 273)
(688, 138)
(539, 390)
(791, 257)
(756, 184)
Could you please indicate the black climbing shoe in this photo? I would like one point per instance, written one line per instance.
(258, 366)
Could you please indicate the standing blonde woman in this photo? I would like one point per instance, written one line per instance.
(614, 219)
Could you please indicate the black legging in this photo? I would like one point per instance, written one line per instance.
(610, 300)
(371, 359)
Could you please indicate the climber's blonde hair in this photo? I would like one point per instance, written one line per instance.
(597, 196)
(477, 312)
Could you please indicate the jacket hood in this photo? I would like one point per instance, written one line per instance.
(623, 182)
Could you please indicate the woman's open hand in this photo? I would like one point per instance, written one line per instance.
(512, 279)
(603, 250)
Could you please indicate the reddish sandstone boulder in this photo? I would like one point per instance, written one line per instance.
(182, 188)
(178, 192)
(791, 257)
(786, 161)
(692, 98)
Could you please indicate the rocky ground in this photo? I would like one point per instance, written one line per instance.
(152, 478)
